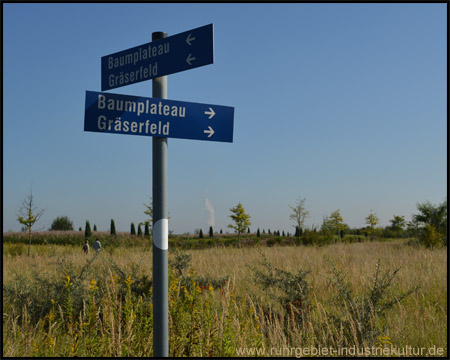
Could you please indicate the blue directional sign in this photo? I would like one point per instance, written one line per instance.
(180, 52)
(134, 115)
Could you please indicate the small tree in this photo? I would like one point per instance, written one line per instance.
(146, 230)
(211, 233)
(372, 220)
(241, 220)
(139, 230)
(200, 234)
(62, 223)
(397, 224)
(113, 227)
(299, 215)
(133, 229)
(149, 213)
(337, 222)
(87, 230)
(258, 234)
(95, 227)
(28, 216)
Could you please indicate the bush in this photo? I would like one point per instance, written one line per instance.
(358, 314)
(294, 287)
(62, 223)
(429, 237)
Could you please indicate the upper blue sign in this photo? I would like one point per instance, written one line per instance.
(184, 51)
(134, 115)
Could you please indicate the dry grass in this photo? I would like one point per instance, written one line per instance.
(420, 320)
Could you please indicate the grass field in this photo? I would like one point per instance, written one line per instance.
(226, 301)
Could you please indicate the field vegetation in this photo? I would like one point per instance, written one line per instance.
(224, 300)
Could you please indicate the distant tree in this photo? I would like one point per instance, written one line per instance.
(258, 234)
(62, 223)
(113, 227)
(146, 229)
(221, 231)
(398, 223)
(95, 227)
(435, 215)
(200, 234)
(337, 222)
(241, 220)
(299, 214)
(264, 231)
(28, 216)
(149, 213)
(248, 230)
(133, 229)
(283, 233)
(139, 230)
(372, 220)
(211, 233)
(87, 230)
(80, 229)
(268, 231)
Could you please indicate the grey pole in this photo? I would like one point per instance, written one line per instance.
(160, 230)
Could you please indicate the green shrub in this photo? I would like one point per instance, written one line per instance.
(429, 237)
(62, 223)
(294, 287)
(359, 315)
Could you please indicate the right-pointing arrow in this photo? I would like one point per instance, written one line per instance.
(211, 113)
(210, 131)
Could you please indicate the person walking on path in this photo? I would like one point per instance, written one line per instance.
(86, 246)
(97, 246)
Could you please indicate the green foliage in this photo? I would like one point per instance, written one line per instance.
(211, 233)
(429, 237)
(139, 230)
(113, 228)
(359, 315)
(372, 220)
(87, 230)
(200, 234)
(299, 214)
(258, 234)
(146, 230)
(241, 220)
(62, 223)
(294, 287)
(133, 229)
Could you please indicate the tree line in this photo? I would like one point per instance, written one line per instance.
(429, 226)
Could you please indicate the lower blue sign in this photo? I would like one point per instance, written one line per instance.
(134, 115)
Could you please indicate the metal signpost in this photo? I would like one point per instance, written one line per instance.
(161, 119)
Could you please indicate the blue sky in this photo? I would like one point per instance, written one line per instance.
(341, 104)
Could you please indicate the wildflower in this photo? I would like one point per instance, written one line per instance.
(53, 301)
(210, 288)
(128, 280)
(93, 285)
(50, 342)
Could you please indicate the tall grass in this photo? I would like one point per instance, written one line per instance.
(60, 302)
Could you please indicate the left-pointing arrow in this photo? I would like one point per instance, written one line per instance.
(189, 59)
(189, 39)
(210, 131)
